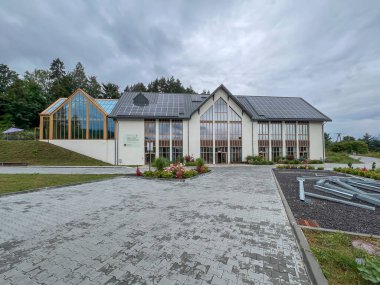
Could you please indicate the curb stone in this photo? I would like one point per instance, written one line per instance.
(339, 231)
(314, 270)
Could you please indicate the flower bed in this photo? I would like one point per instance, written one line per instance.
(175, 170)
(305, 166)
(364, 172)
(299, 161)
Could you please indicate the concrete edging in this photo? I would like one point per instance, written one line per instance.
(312, 265)
(339, 231)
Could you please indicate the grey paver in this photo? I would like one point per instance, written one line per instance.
(226, 227)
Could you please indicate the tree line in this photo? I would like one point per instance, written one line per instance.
(349, 144)
(22, 98)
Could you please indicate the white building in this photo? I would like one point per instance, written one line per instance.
(221, 127)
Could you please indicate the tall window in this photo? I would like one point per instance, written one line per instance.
(290, 140)
(149, 137)
(235, 129)
(61, 123)
(164, 139)
(78, 117)
(177, 139)
(110, 128)
(95, 123)
(276, 140)
(264, 140)
(303, 139)
(206, 135)
(221, 131)
(45, 127)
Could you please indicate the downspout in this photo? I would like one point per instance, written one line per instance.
(323, 141)
(188, 136)
(117, 145)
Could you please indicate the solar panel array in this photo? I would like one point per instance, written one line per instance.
(283, 108)
(55, 106)
(163, 105)
(160, 105)
(107, 104)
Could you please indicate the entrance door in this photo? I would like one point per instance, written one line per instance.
(220, 155)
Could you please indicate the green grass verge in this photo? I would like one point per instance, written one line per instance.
(21, 182)
(336, 256)
(340, 157)
(373, 154)
(42, 153)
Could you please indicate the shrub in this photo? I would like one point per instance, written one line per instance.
(258, 160)
(189, 158)
(320, 168)
(138, 171)
(370, 270)
(364, 172)
(350, 146)
(202, 169)
(166, 175)
(190, 173)
(160, 163)
(181, 159)
(199, 162)
(148, 173)
(190, 163)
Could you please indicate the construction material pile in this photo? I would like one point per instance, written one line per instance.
(344, 190)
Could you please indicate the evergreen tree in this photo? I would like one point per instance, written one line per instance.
(57, 69)
(78, 77)
(94, 88)
(110, 91)
(138, 87)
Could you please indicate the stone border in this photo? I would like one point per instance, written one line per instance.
(339, 231)
(312, 265)
(60, 186)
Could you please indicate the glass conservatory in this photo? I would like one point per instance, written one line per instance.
(78, 117)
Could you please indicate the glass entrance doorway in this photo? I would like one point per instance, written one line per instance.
(220, 155)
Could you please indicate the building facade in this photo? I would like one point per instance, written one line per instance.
(220, 128)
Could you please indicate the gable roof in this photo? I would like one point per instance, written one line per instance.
(105, 105)
(182, 106)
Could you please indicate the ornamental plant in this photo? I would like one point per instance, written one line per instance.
(370, 270)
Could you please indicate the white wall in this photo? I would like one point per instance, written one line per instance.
(316, 140)
(131, 142)
(103, 150)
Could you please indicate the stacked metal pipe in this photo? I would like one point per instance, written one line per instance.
(344, 189)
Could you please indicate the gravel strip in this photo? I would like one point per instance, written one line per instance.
(329, 215)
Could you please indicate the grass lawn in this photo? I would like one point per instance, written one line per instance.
(20, 182)
(340, 157)
(42, 153)
(336, 256)
(373, 154)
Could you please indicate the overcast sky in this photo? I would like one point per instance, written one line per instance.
(327, 52)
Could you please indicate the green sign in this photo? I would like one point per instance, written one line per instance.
(132, 140)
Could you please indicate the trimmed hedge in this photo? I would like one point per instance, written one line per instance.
(364, 172)
(258, 160)
(289, 166)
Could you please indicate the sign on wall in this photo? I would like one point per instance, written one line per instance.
(132, 140)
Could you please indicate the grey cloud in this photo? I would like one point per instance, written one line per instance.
(324, 51)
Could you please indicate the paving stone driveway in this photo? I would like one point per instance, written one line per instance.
(226, 227)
